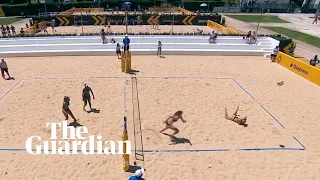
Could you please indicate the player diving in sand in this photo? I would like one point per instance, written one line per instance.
(235, 117)
(86, 96)
(66, 110)
(171, 120)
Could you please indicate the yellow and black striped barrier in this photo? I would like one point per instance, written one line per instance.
(64, 21)
(147, 19)
(188, 20)
(98, 20)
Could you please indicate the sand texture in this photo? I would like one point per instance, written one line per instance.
(199, 86)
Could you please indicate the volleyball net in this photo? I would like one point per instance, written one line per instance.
(138, 150)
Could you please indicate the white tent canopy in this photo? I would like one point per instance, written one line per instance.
(203, 5)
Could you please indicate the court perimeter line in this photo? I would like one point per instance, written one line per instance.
(259, 104)
(265, 109)
(71, 78)
(299, 142)
(243, 89)
(271, 115)
(10, 89)
(271, 149)
(183, 150)
(117, 77)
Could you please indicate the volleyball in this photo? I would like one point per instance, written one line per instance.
(280, 83)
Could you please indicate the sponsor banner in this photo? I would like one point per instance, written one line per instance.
(147, 19)
(299, 67)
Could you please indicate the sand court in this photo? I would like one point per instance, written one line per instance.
(203, 102)
(42, 101)
(163, 89)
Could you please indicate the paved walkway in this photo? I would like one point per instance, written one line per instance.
(300, 22)
(21, 24)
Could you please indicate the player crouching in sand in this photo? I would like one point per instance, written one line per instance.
(236, 118)
(171, 120)
(66, 110)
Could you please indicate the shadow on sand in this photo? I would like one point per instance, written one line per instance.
(175, 140)
(11, 78)
(93, 110)
(75, 124)
(133, 72)
(133, 168)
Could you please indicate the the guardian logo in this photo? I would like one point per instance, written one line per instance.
(74, 140)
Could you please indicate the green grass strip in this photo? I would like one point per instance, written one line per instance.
(255, 18)
(312, 40)
(7, 21)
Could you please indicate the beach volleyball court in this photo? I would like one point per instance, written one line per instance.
(199, 86)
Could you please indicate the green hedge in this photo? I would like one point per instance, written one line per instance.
(284, 42)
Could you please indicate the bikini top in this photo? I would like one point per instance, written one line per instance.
(175, 118)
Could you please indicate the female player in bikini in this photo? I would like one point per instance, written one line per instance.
(66, 110)
(171, 120)
(235, 117)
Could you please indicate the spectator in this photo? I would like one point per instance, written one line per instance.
(213, 37)
(53, 24)
(3, 30)
(138, 175)
(139, 20)
(103, 36)
(152, 23)
(37, 26)
(315, 19)
(8, 29)
(125, 21)
(247, 37)
(118, 51)
(253, 38)
(31, 22)
(274, 54)
(117, 9)
(109, 25)
(75, 20)
(314, 61)
(44, 27)
(27, 26)
(156, 23)
(200, 31)
(126, 42)
(21, 31)
(4, 68)
(159, 48)
(13, 29)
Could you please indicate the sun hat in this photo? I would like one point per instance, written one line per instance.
(139, 172)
